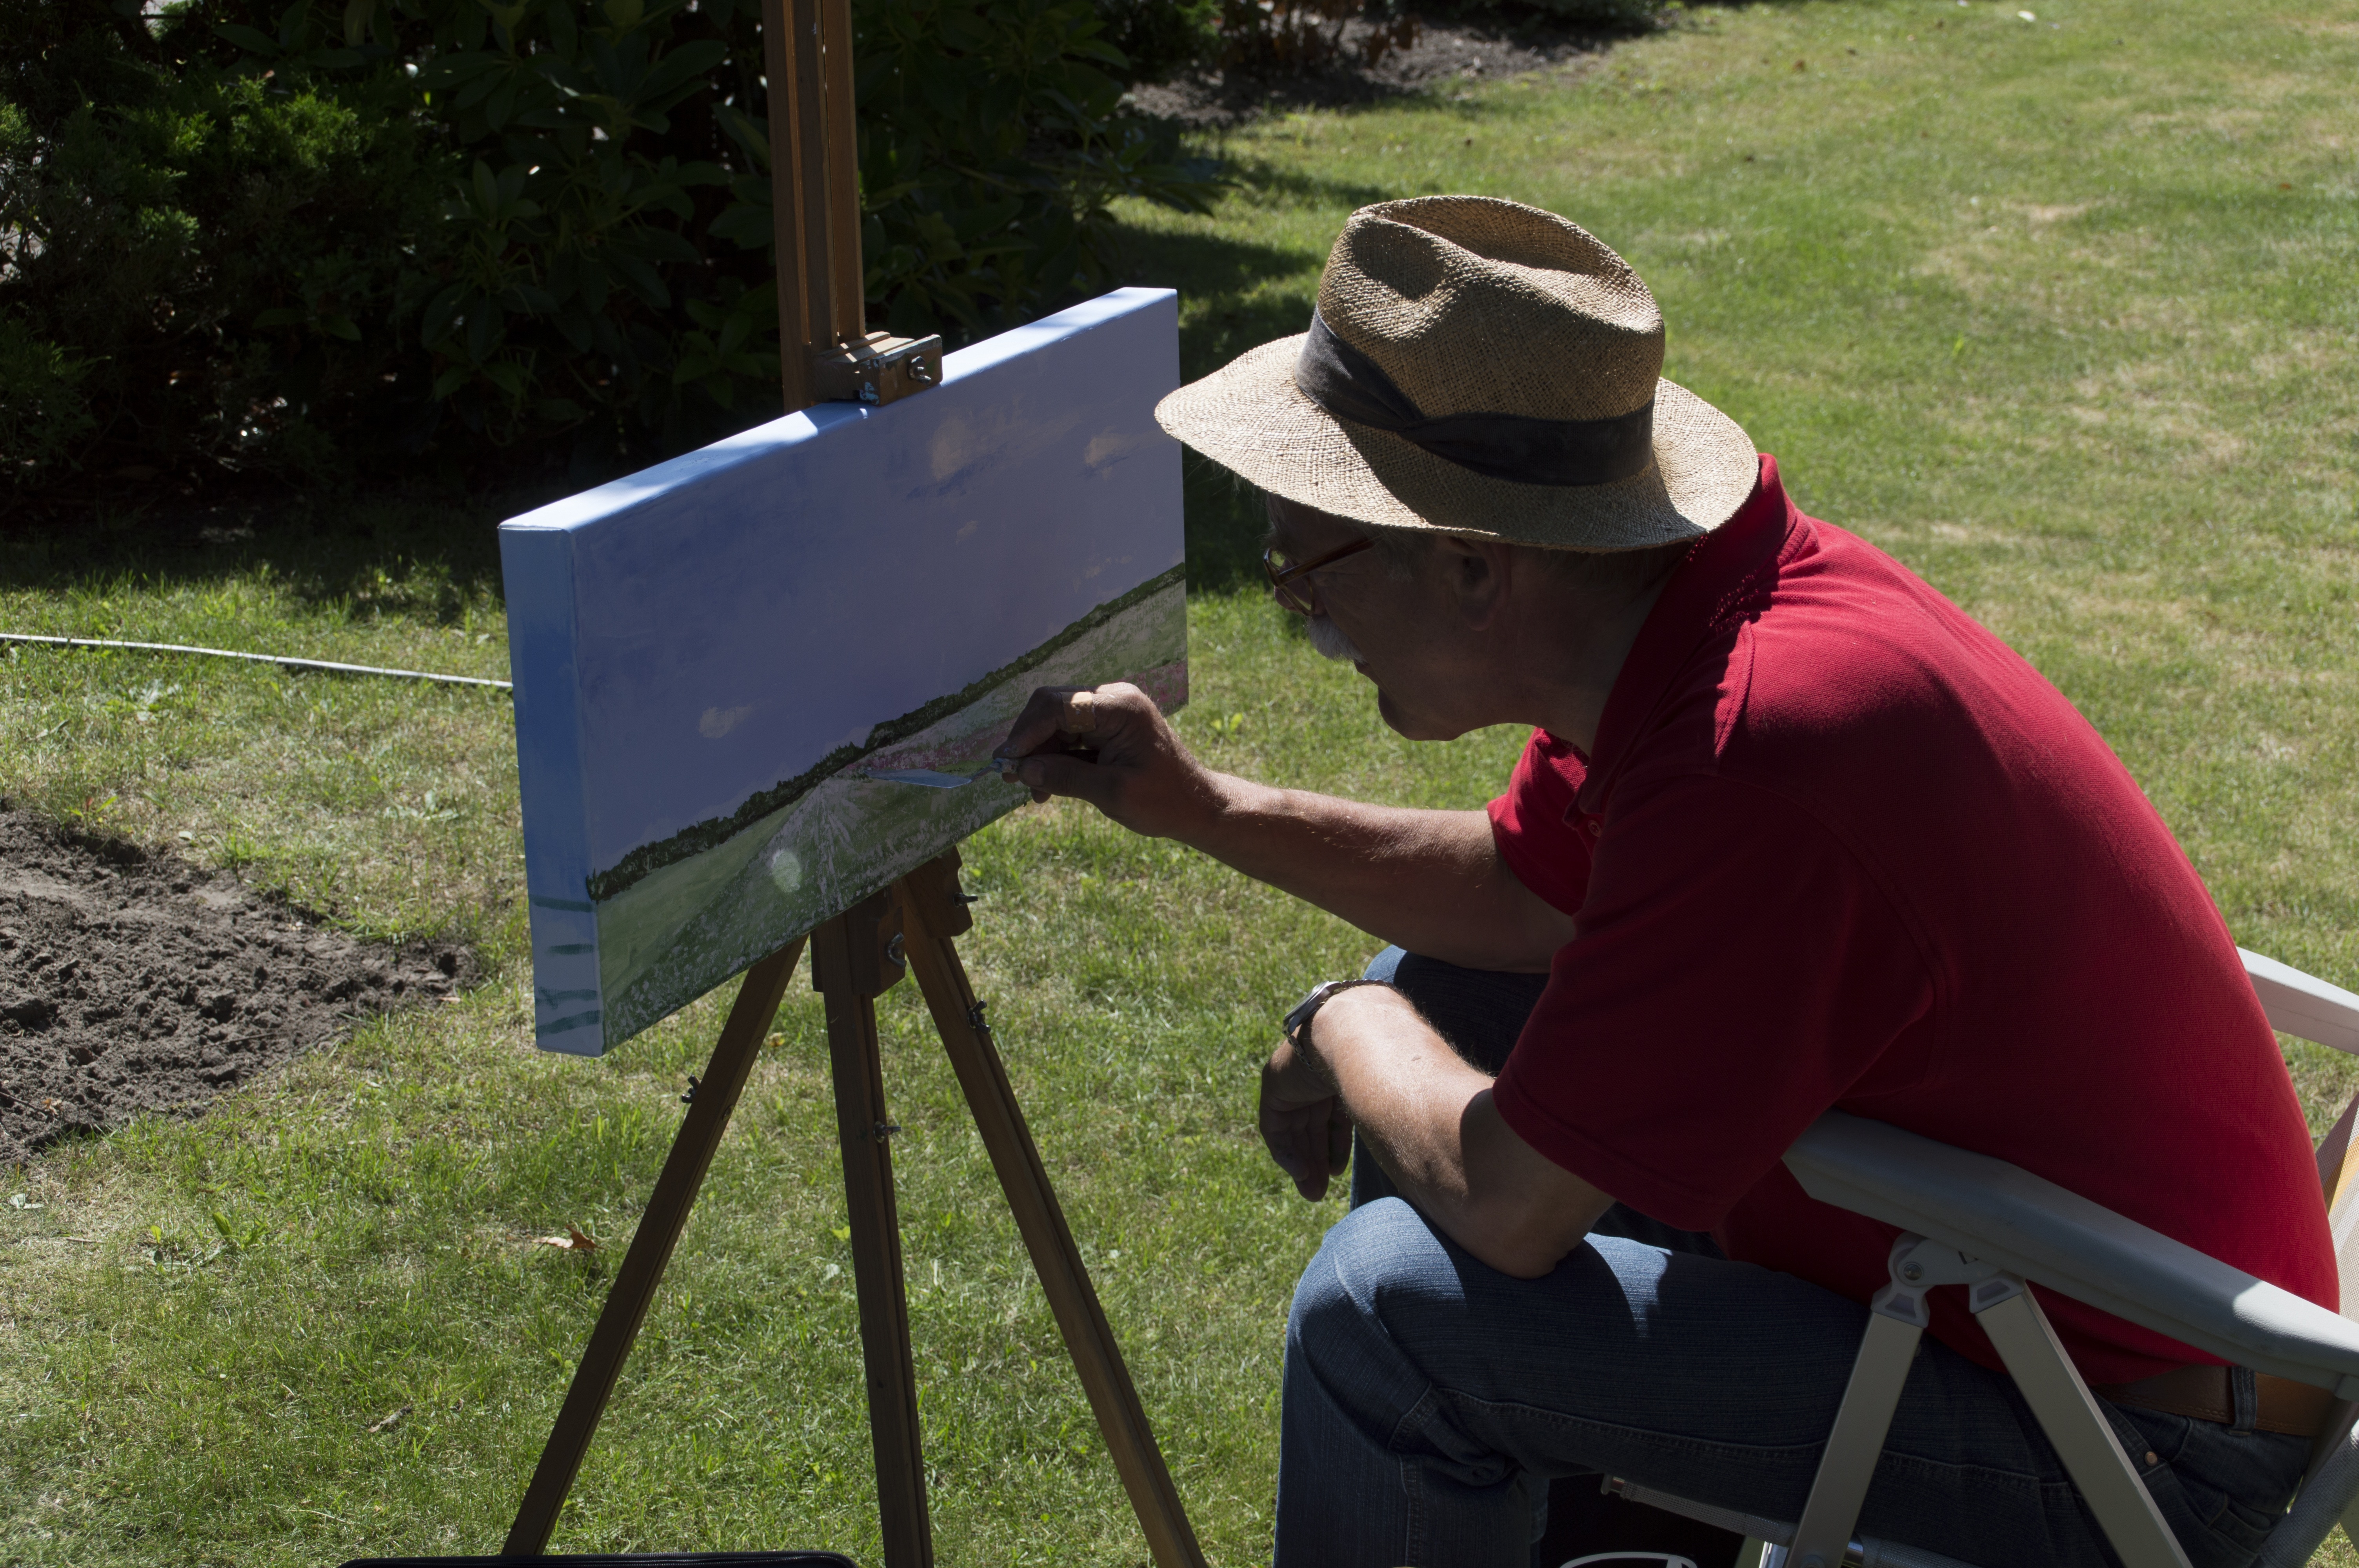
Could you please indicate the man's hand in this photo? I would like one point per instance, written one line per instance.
(1141, 776)
(1431, 1120)
(1303, 1120)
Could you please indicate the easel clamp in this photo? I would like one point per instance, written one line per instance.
(877, 369)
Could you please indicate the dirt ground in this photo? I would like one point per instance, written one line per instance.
(1445, 51)
(133, 981)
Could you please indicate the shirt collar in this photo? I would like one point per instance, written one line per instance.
(1720, 580)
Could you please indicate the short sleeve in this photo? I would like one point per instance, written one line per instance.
(1734, 972)
(1530, 826)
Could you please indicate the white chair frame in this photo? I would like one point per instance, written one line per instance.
(1968, 1219)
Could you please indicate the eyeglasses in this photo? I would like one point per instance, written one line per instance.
(1289, 578)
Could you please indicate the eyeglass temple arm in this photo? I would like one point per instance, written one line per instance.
(1283, 575)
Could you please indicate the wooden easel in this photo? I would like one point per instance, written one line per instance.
(863, 953)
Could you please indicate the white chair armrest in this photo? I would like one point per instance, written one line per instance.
(2029, 1225)
(2303, 1004)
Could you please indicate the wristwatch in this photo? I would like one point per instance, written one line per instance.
(1297, 1027)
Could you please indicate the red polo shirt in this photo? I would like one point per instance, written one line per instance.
(1839, 845)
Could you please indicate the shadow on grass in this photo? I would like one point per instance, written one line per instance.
(1269, 178)
(424, 560)
(1226, 525)
(1228, 304)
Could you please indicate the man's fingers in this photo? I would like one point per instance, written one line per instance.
(1305, 1159)
(1039, 723)
(1051, 774)
(1286, 1152)
(1062, 710)
(1300, 1139)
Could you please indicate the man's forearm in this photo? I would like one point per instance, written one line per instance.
(1430, 880)
(1433, 1123)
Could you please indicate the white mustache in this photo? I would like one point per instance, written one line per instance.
(1331, 642)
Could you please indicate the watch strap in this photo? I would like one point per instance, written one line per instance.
(1297, 1026)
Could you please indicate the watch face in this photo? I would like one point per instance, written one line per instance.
(1304, 1008)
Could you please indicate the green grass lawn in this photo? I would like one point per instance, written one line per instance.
(2061, 312)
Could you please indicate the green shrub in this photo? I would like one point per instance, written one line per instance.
(202, 245)
(44, 413)
(249, 235)
(1161, 39)
(991, 150)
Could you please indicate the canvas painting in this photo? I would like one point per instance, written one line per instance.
(716, 660)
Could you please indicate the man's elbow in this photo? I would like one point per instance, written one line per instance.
(1519, 1212)
(1523, 1250)
(1529, 1263)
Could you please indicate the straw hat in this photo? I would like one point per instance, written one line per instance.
(1481, 367)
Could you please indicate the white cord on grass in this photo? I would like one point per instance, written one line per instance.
(286, 660)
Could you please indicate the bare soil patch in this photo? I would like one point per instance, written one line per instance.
(134, 981)
(1447, 52)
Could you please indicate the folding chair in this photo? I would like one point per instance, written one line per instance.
(1970, 1220)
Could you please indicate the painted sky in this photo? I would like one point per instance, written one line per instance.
(701, 651)
(741, 612)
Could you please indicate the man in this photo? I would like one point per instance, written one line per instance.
(1792, 833)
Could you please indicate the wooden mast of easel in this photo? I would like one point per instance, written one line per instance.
(825, 351)
(814, 186)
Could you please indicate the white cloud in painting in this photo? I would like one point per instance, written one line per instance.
(955, 445)
(719, 721)
(1105, 449)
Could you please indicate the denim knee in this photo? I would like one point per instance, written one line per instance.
(1377, 1254)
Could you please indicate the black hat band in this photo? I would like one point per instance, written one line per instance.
(1350, 386)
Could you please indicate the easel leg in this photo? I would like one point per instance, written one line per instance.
(643, 1266)
(932, 915)
(850, 969)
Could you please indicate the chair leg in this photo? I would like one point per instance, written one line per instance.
(2068, 1413)
(1898, 1318)
(2336, 1435)
(1885, 1352)
(2329, 1496)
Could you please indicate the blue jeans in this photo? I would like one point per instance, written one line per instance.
(1428, 1397)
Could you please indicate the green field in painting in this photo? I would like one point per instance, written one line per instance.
(684, 927)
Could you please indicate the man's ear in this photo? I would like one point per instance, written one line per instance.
(1481, 575)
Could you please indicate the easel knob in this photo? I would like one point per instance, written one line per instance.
(870, 962)
(877, 369)
(943, 909)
